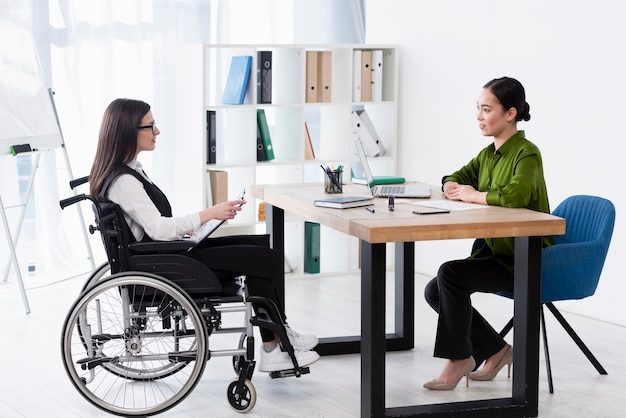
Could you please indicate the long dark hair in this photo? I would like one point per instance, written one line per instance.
(510, 93)
(117, 141)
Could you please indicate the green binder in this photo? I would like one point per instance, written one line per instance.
(264, 131)
(311, 247)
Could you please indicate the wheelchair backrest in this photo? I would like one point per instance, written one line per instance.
(115, 234)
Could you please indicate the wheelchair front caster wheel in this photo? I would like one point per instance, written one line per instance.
(244, 400)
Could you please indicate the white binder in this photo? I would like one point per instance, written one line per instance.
(356, 76)
(363, 127)
(377, 75)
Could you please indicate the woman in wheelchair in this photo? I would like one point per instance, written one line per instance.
(127, 129)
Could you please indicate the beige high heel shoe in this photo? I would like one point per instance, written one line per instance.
(437, 384)
(507, 359)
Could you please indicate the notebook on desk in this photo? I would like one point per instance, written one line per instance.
(396, 190)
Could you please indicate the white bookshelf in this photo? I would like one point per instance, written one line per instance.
(329, 125)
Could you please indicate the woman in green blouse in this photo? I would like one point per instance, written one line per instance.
(508, 172)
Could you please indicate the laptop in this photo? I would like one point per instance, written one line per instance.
(384, 190)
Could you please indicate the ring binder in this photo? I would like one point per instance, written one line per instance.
(264, 77)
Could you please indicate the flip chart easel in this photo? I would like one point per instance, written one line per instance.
(36, 145)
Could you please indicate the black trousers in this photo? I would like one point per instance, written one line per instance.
(461, 330)
(249, 255)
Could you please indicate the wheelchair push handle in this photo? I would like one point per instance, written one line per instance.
(75, 199)
(77, 182)
(71, 200)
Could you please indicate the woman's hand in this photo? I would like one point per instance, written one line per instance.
(455, 191)
(463, 192)
(223, 211)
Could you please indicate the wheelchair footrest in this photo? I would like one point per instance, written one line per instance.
(290, 373)
(93, 362)
(183, 356)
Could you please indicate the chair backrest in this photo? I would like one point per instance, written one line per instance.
(571, 267)
(588, 218)
(115, 235)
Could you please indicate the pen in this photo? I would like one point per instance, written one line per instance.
(391, 204)
(370, 210)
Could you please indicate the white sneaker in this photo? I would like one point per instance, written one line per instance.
(302, 342)
(277, 360)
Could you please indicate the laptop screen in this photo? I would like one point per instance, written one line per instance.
(369, 177)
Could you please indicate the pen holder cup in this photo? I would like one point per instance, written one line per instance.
(333, 182)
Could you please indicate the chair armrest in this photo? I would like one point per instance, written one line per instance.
(157, 247)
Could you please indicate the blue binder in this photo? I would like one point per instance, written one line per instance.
(237, 82)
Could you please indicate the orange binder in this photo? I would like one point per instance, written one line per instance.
(325, 76)
(311, 77)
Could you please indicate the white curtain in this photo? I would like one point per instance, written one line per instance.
(95, 51)
(291, 21)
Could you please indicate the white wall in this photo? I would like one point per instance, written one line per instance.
(570, 56)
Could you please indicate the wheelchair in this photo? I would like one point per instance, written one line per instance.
(136, 340)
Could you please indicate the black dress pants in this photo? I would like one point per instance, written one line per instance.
(249, 255)
(461, 330)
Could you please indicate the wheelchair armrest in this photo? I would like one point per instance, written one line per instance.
(155, 247)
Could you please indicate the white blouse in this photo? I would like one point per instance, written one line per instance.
(141, 215)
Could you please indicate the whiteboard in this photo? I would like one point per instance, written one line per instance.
(27, 114)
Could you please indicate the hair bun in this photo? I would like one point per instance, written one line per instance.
(525, 114)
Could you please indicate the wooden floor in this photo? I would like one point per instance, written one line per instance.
(34, 384)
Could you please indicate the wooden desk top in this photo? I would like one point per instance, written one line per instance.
(402, 225)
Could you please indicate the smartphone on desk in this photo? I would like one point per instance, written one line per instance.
(425, 210)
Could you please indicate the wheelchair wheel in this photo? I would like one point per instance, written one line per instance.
(134, 344)
(102, 271)
(244, 400)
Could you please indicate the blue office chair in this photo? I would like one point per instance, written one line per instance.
(571, 267)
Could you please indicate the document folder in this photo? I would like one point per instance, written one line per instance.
(363, 128)
(264, 131)
(366, 75)
(356, 76)
(377, 75)
(311, 77)
(264, 77)
(311, 247)
(211, 137)
(325, 76)
(237, 81)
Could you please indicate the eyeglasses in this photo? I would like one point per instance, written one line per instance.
(152, 126)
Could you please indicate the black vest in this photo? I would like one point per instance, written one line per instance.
(156, 195)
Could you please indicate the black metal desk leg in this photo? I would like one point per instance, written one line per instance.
(404, 296)
(372, 329)
(527, 290)
(275, 226)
